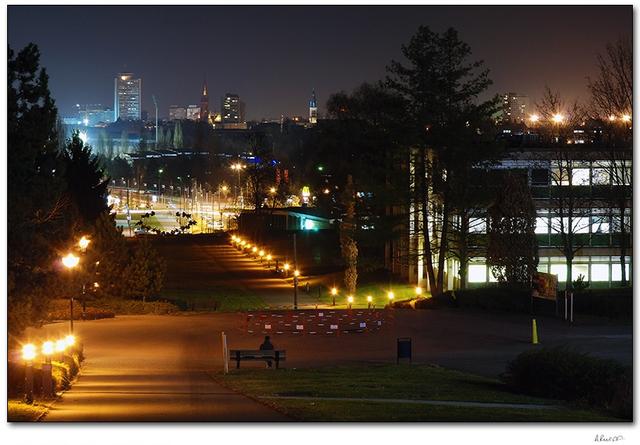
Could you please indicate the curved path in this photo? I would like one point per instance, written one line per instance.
(151, 369)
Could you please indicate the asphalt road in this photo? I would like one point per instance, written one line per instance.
(151, 368)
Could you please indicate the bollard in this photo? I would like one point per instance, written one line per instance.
(571, 312)
(534, 332)
(28, 383)
(225, 353)
(47, 380)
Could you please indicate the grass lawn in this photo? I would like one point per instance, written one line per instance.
(378, 291)
(414, 382)
(19, 411)
(218, 298)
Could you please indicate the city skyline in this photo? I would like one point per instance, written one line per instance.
(292, 53)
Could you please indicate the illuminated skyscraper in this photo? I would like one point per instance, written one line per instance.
(514, 108)
(127, 97)
(313, 109)
(231, 109)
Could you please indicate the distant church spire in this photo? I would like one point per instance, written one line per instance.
(313, 108)
(204, 102)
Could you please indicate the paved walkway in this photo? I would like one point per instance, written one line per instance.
(141, 369)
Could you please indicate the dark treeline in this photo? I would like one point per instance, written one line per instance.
(57, 193)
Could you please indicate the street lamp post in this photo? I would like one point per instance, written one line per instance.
(47, 378)
(237, 167)
(295, 273)
(273, 191)
(155, 103)
(28, 354)
(70, 261)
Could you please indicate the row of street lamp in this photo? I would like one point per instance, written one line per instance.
(48, 348)
(71, 261)
(558, 118)
(261, 254)
(244, 245)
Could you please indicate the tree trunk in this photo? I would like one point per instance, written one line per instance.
(569, 285)
(464, 264)
(424, 205)
(442, 251)
(623, 248)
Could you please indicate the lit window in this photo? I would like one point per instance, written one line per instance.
(580, 224)
(580, 176)
(599, 272)
(616, 272)
(560, 270)
(599, 224)
(559, 176)
(477, 273)
(580, 269)
(477, 225)
(599, 176)
(542, 225)
(492, 277)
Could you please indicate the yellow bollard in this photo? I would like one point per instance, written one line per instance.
(534, 333)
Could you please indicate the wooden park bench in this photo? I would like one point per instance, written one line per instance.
(266, 355)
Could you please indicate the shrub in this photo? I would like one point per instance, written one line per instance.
(59, 310)
(137, 307)
(565, 374)
(616, 303)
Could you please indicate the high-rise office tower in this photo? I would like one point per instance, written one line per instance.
(231, 109)
(127, 97)
(313, 109)
(514, 108)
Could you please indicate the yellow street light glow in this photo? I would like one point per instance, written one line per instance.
(269, 257)
(612, 118)
(272, 190)
(61, 345)
(29, 351)
(96, 284)
(296, 273)
(286, 266)
(225, 188)
(254, 249)
(84, 242)
(557, 118)
(626, 118)
(369, 298)
(70, 340)
(261, 253)
(391, 295)
(70, 261)
(47, 348)
(534, 118)
(350, 299)
(418, 290)
(334, 291)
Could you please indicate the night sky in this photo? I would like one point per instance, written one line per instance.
(274, 56)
